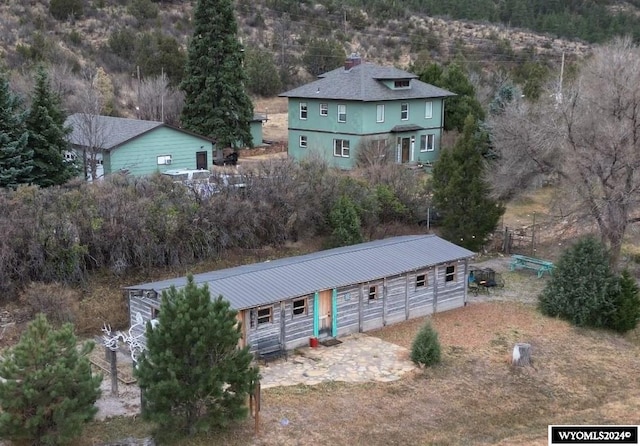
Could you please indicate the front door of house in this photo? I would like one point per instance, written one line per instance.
(201, 160)
(406, 149)
(325, 323)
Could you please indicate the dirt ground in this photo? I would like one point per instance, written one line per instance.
(275, 129)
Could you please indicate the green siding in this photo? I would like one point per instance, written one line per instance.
(256, 132)
(140, 155)
(361, 121)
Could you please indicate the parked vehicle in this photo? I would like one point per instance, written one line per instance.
(182, 175)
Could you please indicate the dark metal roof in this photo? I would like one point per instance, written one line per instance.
(108, 132)
(268, 282)
(364, 83)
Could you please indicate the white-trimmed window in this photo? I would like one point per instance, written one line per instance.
(450, 273)
(164, 160)
(299, 307)
(421, 280)
(324, 109)
(373, 292)
(428, 109)
(380, 113)
(265, 315)
(404, 111)
(303, 110)
(342, 113)
(341, 148)
(426, 143)
(303, 141)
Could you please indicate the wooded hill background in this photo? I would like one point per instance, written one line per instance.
(289, 41)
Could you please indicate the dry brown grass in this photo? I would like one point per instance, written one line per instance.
(473, 398)
(276, 127)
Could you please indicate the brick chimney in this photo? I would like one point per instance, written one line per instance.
(352, 60)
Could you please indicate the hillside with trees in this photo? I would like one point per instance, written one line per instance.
(140, 46)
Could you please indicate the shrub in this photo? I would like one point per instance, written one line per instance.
(143, 10)
(626, 303)
(425, 349)
(584, 291)
(57, 302)
(345, 222)
(65, 9)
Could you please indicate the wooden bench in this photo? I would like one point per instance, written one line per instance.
(270, 350)
(539, 265)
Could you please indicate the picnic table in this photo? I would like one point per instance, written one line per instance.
(539, 265)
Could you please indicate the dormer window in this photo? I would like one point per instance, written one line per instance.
(400, 84)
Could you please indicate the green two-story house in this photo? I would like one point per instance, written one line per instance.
(366, 107)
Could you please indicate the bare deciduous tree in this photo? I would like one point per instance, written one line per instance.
(589, 138)
(91, 132)
(374, 152)
(159, 102)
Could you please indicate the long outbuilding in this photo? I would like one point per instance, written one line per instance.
(328, 294)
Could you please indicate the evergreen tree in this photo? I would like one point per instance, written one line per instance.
(48, 136)
(216, 104)
(48, 391)
(193, 375)
(626, 302)
(345, 223)
(581, 283)
(16, 159)
(425, 348)
(262, 73)
(458, 107)
(322, 55)
(460, 192)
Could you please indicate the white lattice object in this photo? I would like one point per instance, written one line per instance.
(132, 338)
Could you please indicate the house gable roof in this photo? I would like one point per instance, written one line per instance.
(109, 132)
(268, 282)
(363, 82)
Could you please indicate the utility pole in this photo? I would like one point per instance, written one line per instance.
(559, 92)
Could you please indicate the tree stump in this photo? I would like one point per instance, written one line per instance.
(521, 355)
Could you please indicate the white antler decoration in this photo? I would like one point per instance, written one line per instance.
(132, 337)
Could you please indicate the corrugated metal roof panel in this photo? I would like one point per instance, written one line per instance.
(264, 283)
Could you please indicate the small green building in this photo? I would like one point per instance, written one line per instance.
(363, 106)
(140, 147)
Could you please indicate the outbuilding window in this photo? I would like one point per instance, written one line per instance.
(265, 315)
(373, 292)
(299, 306)
(421, 280)
(450, 273)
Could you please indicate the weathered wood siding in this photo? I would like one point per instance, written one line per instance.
(398, 298)
(348, 310)
(298, 327)
(395, 299)
(264, 337)
(420, 298)
(372, 309)
(450, 294)
(144, 306)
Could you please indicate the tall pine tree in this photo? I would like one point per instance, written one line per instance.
(216, 103)
(48, 391)
(461, 194)
(193, 374)
(16, 159)
(48, 135)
